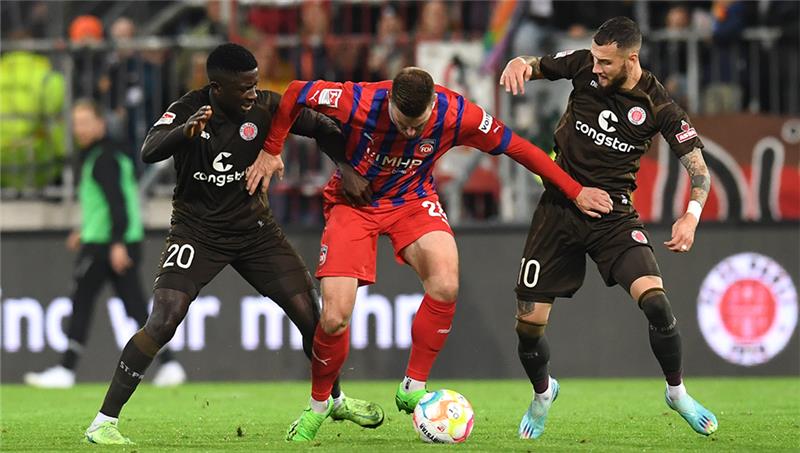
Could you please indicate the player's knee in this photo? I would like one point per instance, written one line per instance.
(527, 331)
(334, 323)
(657, 309)
(443, 288)
(169, 309)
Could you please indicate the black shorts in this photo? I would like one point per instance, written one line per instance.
(560, 236)
(264, 258)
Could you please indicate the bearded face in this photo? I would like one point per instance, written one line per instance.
(611, 66)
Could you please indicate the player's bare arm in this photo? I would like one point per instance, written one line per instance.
(698, 173)
(684, 228)
(518, 71)
(161, 144)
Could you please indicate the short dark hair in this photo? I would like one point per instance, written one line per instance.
(620, 30)
(412, 91)
(90, 104)
(230, 57)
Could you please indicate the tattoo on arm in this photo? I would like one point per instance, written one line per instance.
(698, 172)
(536, 64)
(524, 308)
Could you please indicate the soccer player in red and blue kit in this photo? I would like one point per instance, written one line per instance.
(395, 131)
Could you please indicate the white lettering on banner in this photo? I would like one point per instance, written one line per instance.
(59, 309)
(199, 310)
(14, 311)
(123, 326)
(253, 308)
(405, 307)
(371, 305)
(42, 327)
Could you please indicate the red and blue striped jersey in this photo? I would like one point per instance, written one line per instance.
(399, 169)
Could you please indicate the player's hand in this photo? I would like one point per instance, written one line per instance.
(593, 202)
(119, 258)
(355, 188)
(682, 234)
(197, 122)
(74, 241)
(515, 74)
(261, 171)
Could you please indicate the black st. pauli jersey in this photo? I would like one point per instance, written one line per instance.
(600, 138)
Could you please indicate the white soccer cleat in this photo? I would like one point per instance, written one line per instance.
(56, 377)
(169, 375)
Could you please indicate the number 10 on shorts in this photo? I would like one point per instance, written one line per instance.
(528, 273)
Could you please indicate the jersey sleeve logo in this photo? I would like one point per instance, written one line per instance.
(486, 122)
(330, 97)
(687, 132)
(166, 118)
(563, 53)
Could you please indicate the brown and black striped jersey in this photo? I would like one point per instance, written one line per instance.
(210, 194)
(600, 138)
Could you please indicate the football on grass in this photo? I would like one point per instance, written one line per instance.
(443, 416)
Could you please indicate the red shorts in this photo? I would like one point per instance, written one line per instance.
(350, 239)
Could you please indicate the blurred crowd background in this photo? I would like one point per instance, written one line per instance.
(716, 58)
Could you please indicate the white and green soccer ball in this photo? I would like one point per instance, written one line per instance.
(443, 416)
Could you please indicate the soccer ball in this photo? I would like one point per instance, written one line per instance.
(443, 416)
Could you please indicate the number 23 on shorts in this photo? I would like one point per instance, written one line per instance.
(435, 210)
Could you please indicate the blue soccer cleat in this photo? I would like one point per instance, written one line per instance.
(699, 418)
(532, 424)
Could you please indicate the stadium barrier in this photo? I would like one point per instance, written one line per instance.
(734, 295)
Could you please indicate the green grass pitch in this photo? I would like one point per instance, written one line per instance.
(760, 414)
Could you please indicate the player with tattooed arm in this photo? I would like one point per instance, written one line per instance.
(614, 111)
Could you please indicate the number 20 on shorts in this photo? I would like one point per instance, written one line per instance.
(182, 255)
(528, 273)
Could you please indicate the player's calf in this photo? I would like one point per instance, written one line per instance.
(665, 338)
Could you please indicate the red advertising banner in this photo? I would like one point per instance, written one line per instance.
(755, 169)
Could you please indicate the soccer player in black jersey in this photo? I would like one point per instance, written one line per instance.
(214, 135)
(613, 112)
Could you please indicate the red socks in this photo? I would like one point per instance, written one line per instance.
(428, 334)
(328, 355)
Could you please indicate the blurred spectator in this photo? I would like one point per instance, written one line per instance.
(724, 70)
(783, 16)
(85, 34)
(32, 130)
(109, 243)
(274, 72)
(580, 18)
(388, 55)
(86, 29)
(126, 83)
(677, 22)
(196, 77)
(349, 61)
(434, 22)
(311, 58)
(213, 25)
